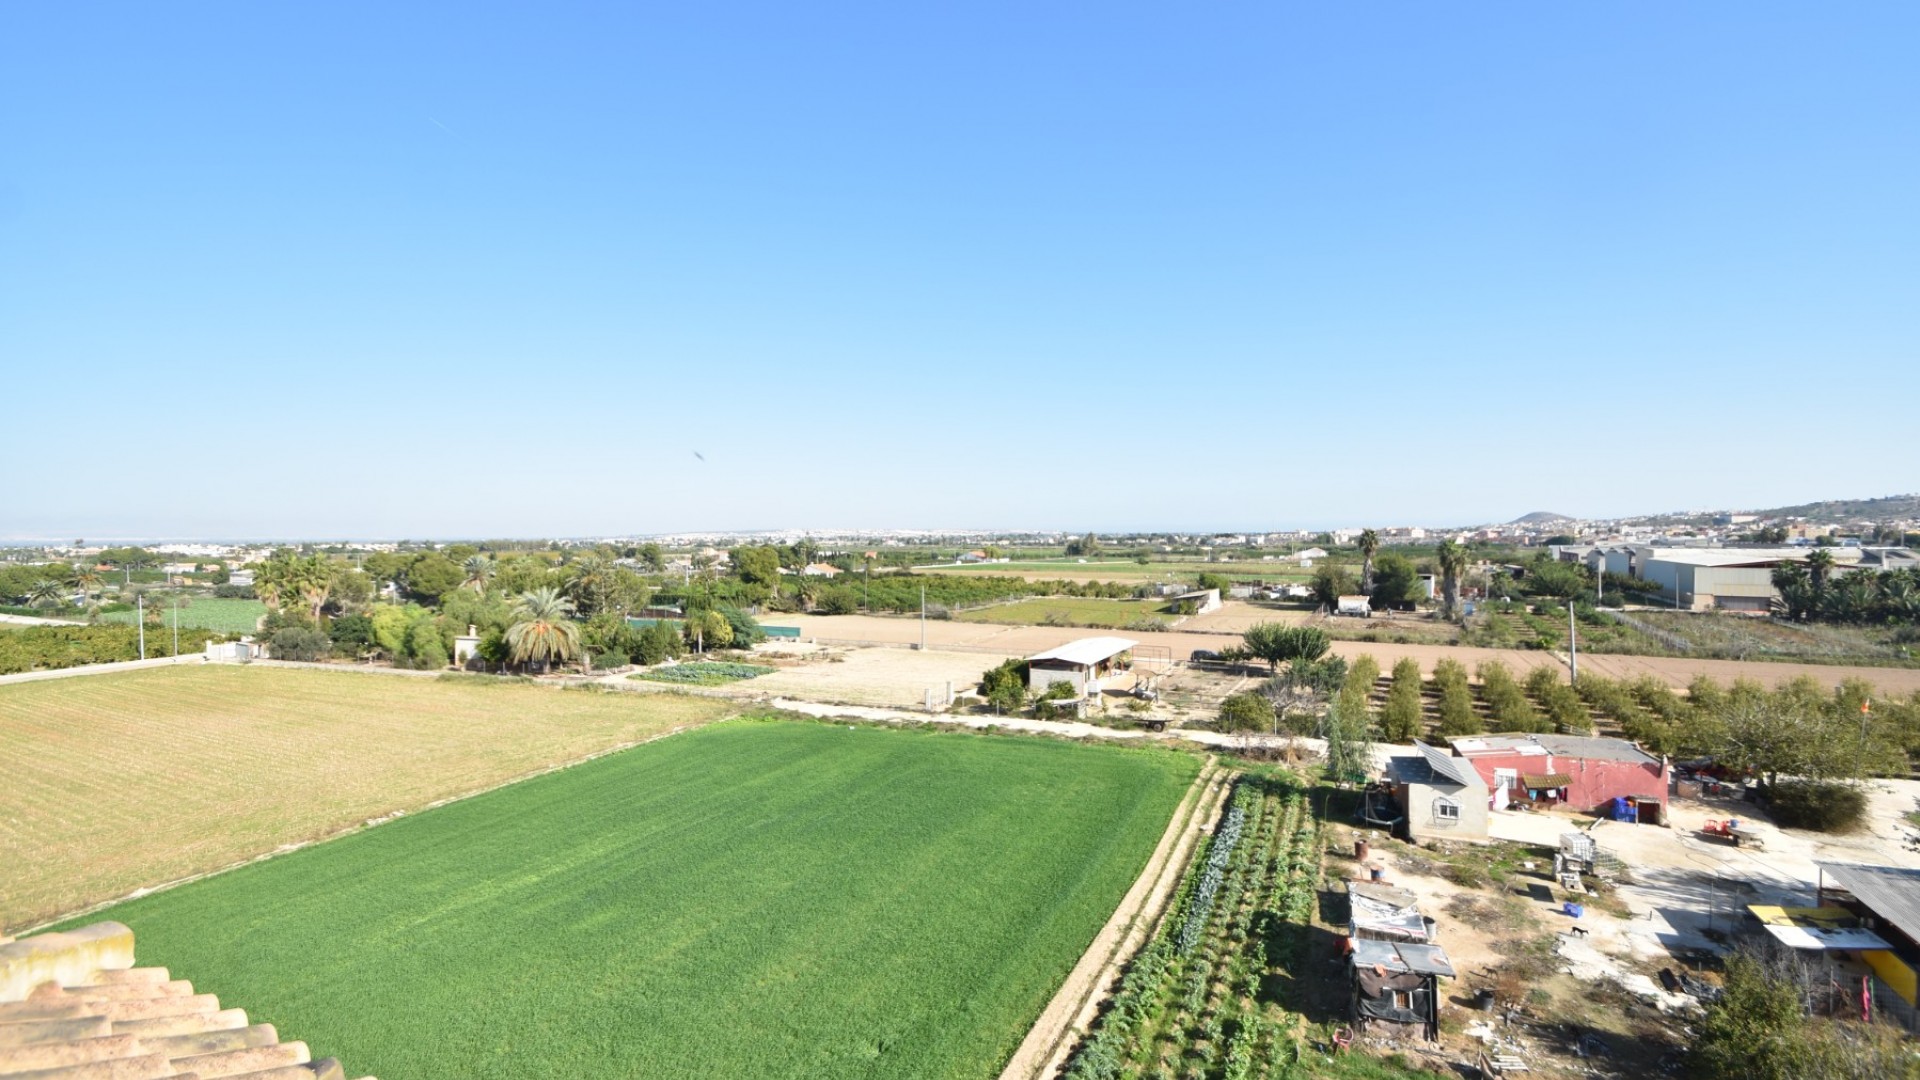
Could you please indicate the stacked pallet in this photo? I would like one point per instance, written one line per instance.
(74, 1007)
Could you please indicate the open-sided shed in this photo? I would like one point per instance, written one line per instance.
(1090, 664)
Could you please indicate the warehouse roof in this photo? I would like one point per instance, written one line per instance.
(1086, 651)
(1755, 556)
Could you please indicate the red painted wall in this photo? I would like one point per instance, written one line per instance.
(1594, 782)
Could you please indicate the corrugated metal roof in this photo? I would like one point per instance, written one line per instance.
(1592, 747)
(1892, 892)
(1089, 651)
(1402, 956)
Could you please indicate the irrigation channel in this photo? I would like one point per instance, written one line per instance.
(1209, 995)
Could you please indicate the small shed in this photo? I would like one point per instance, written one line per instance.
(1379, 912)
(1888, 900)
(1396, 987)
(1090, 664)
(1202, 601)
(1440, 796)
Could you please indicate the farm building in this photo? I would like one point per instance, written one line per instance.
(1888, 899)
(1582, 772)
(820, 569)
(1440, 797)
(1396, 987)
(1720, 579)
(1203, 601)
(1091, 665)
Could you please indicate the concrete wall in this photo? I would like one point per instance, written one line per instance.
(1417, 802)
(1039, 678)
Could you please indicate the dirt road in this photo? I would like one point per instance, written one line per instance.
(1006, 641)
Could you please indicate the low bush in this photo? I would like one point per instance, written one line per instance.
(1816, 805)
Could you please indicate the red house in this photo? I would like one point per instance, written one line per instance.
(1606, 776)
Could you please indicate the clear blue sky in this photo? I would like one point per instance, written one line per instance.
(471, 269)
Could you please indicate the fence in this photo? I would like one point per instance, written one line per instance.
(1665, 637)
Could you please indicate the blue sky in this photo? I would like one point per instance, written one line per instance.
(418, 270)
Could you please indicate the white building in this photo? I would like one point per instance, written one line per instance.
(1091, 665)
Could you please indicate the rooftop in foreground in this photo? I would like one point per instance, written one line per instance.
(73, 1005)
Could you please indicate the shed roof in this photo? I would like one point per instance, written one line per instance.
(1087, 651)
(1592, 747)
(1892, 892)
(1403, 957)
(1816, 928)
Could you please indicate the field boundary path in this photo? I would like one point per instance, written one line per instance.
(103, 669)
(1070, 1013)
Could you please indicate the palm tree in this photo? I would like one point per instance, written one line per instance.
(1820, 567)
(543, 629)
(87, 580)
(1369, 544)
(47, 592)
(591, 582)
(312, 578)
(479, 571)
(1453, 561)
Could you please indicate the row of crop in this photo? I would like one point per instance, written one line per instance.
(1191, 1002)
(1109, 1047)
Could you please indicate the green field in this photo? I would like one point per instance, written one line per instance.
(753, 899)
(1128, 570)
(206, 613)
(1071, 611)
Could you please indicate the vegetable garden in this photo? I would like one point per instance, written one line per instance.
(1216, 992)
(704, 673)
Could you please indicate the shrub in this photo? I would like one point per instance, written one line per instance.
(1246, 712)
(1816, 805)
(300, 643)
(838, 600)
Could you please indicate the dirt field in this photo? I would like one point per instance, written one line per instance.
(1025, 640)
(886, 677)
(124, 781)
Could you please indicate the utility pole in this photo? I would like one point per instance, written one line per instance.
(176, 624)
(1573, 648)
(1860, 756)
(140, 617)
(923, 618)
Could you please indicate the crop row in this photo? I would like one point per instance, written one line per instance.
(1192, 1002)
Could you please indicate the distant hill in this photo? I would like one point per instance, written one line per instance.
(1887, 508)
(1539, 517)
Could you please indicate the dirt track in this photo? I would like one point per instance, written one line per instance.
(1025, 640)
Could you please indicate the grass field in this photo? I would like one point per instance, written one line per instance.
(113, 782)
(759, 898)
(1127, 570)
(206, 613)
(1071, 611)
